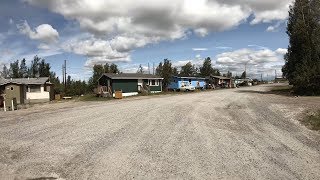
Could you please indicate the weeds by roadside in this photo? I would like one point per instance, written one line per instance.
(93, 97)
(312, 120)
(282, 90)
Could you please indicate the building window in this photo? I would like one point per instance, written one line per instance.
(154, 82)
(11, 88)
(189, 80)
(35, 88)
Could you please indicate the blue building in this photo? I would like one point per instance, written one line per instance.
(178, 82)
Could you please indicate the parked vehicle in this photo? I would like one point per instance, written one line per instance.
(187, 88)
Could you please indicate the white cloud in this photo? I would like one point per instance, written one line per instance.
(281, 51)
(258, 61)
(43, 46)
(11, 21)
(223, 47)
(202, 32)
(98, 51)
(275, 27)
(126, 25)
(200, 49)
(44, 32)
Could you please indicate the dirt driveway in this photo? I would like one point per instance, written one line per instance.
(241, 133)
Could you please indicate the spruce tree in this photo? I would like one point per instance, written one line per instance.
(302, 61)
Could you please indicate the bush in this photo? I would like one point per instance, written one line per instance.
(313, 120)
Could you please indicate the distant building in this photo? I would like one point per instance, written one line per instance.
(178, 82)
(26, 90)
(129, 83)
(219, 81)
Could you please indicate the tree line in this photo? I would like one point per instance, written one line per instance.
(40, 68)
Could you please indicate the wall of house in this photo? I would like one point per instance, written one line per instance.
(13, 91)
(178, 82)
(198, 83)
(174, 84)
(40, 96)
(154, 88)
(126, 85)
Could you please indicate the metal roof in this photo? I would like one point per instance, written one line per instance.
(220, 77)
(189, 77)
(36, 81)
(131, 76)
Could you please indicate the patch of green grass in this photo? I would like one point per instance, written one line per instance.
(312, 120)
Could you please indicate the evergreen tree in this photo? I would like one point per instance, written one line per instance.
(98, 71)
(5, 72)
(244, 75)
(23, 70)
(44, 69)
(175, 71)
(165, 70)
(106, 68)
(14, 69)
(229, 74)
(114, 68)
(187, 70)
(207, 69)
(34, 69)
(302, 61)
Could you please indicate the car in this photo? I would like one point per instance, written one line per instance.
(187, 88)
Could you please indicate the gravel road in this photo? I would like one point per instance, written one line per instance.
(243, 133)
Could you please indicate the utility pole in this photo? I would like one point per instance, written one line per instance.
(261, 77)
(65, 74)
(153, 69)
(149, 68)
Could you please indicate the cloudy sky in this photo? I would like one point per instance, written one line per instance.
(87, 32)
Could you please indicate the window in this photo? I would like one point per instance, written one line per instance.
(189, 80)
(11, 88)
(154, 82)
(35, 88)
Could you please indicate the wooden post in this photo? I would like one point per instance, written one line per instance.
(4, 105)
(12, 105)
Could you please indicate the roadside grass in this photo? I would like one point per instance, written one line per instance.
(282, 90)
(312, 120)
(93, 97)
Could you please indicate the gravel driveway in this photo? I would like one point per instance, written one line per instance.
(224, 134)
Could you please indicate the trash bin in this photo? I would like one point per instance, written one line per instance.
(118, 94)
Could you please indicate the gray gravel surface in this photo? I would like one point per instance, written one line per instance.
(241, 133)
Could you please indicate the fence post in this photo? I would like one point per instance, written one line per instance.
(12, 105)
(4, 106)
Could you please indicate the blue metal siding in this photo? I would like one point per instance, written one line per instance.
(178, 81)
(174, 84)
